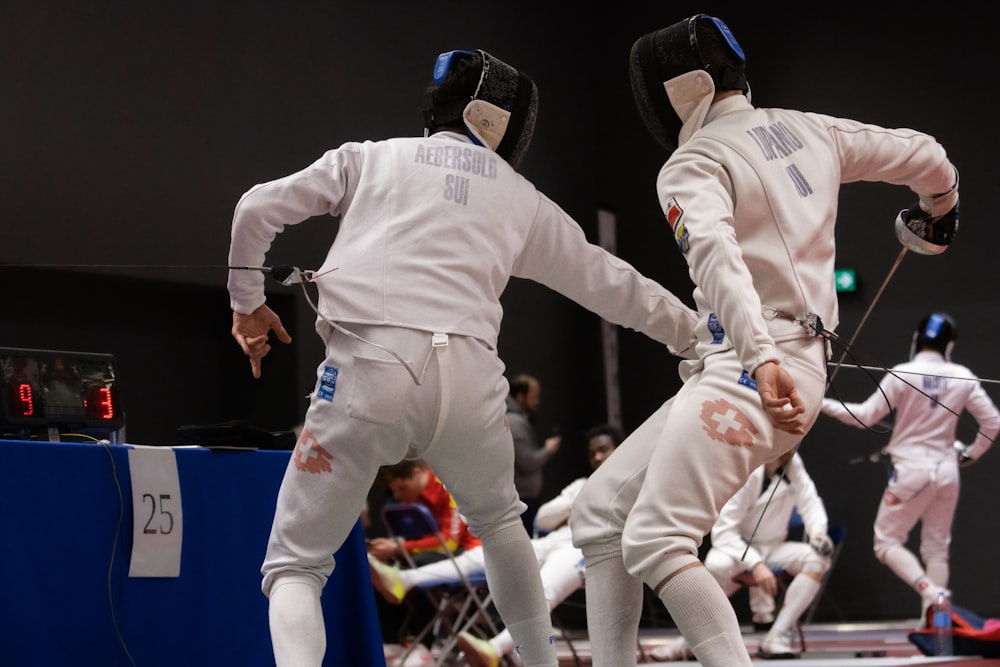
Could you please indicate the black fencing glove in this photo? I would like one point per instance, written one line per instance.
(924, 234)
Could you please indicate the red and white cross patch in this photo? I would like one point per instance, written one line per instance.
(310, 456)
(726, 423)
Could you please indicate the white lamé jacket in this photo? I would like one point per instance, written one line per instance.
(431, 229)
(751, 199)
(927, 394)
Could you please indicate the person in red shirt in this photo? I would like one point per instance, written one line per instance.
(412, 481)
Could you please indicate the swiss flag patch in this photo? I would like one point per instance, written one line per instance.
(309, 456)
(674, 212)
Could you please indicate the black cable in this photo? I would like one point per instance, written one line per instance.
(114, 548)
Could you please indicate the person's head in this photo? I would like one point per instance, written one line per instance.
(677, 71)
(526, 392)
(937, 332)
(487, 99)
(601, 441)
(406, 479)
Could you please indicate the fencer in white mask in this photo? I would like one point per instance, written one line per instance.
(750, 197)
(926, 397)
(431, 229)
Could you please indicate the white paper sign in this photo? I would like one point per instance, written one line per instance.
(158, 521)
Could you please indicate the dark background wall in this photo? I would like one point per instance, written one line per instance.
(130, 130)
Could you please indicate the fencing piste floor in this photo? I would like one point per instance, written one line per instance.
(882, 644)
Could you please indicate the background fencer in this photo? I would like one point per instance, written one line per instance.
(431, 229)
(927, 394)
(750, 196)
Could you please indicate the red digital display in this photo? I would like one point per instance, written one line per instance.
(59, 389)
(99, 403)
(25, 398)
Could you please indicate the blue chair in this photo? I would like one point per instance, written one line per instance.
(461, 604)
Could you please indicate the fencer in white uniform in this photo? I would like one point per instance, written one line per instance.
(750, 196)
(430, 231)
(927, 395)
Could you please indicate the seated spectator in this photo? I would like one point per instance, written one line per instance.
(744, 540)
(412, 481)
(560, 563)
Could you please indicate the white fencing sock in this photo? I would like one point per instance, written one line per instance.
(614, 608)
(516, 587)
(800, 594)
(706, 618)
(298, 633)
(938, 571)
(906, 566)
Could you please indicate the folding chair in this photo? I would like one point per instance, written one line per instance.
(461, 605)
(837, 533)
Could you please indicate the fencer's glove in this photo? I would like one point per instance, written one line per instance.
(962, 450)
(923, 233)
(821, 544)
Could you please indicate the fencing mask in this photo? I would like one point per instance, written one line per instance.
(676, 71)
(936, 331)
(496, 103)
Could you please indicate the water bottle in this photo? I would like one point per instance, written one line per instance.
(942, 625)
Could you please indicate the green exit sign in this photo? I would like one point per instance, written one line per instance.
(845, 280)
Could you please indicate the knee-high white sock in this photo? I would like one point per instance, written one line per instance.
(516, 588)
(614, 607)
(800, 594)
(298, 633)
(907, 567)
(938, 571)
(706, 618)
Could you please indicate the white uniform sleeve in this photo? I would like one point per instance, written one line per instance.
(899, 156)
(985, 412)
(555, 513)
(874, 408)
(726, 535)
(810, 506)
(707, 237)
(558, 255)
(266, 209)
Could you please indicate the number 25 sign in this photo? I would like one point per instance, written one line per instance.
(158, 521)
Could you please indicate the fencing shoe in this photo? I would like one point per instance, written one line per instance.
(776, 646)
(386, 580)
(479, 652)
(674, 650)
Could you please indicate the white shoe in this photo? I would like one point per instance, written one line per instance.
(676, 649)
(776, 646)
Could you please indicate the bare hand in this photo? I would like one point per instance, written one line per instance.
(553, 443)
(251, 332)
(779, 397)
(764, 578)
(383, 548)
